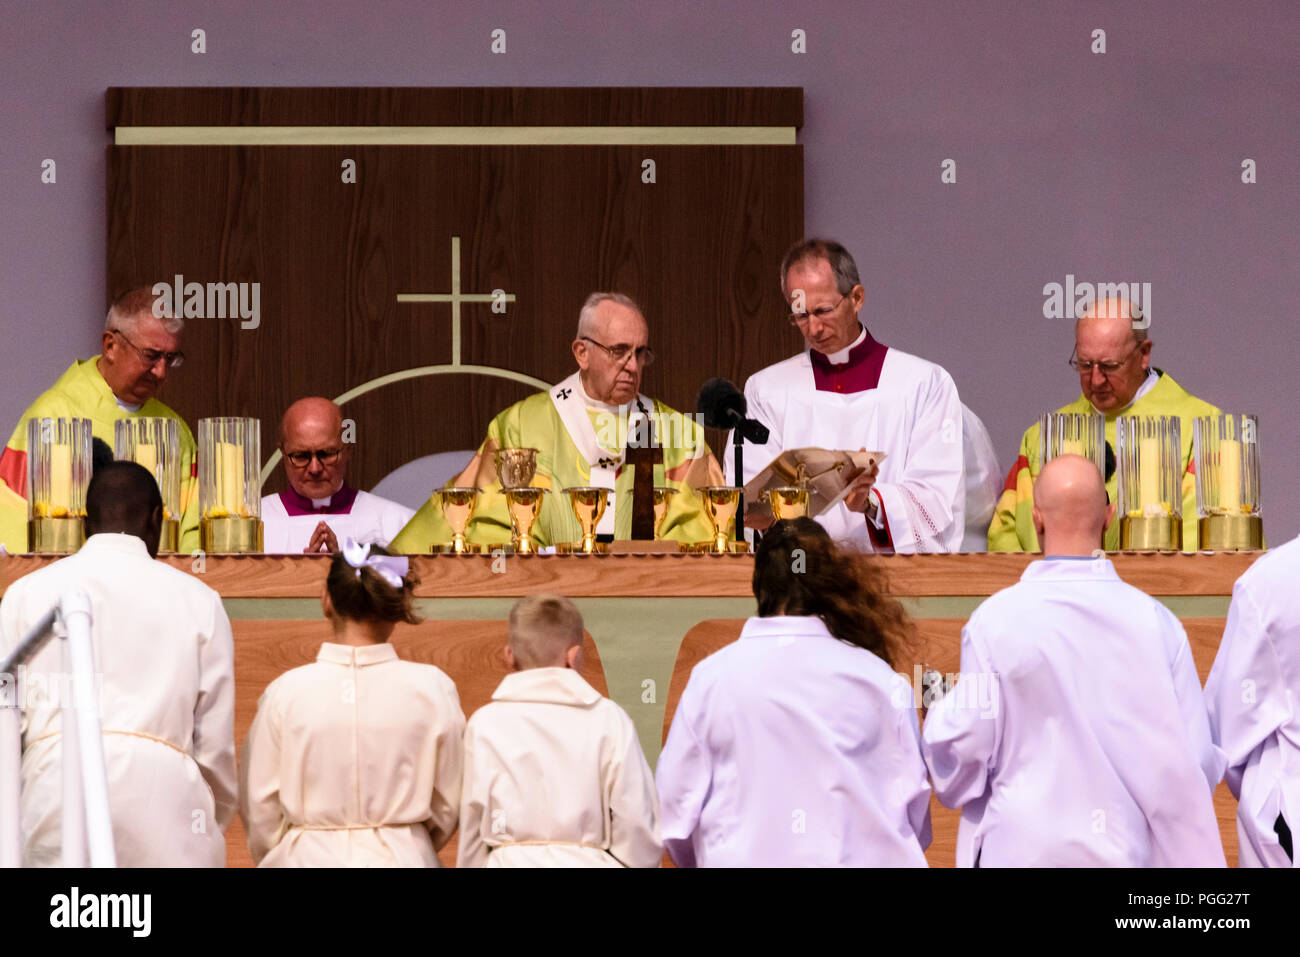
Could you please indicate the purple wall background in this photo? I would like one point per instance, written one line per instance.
(1119, 167)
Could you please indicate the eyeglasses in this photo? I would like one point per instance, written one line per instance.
(303, 459)
(821, 312)
(150, 357)
(620, 353)
(1108, 369)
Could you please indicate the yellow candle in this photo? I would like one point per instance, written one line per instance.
(146, 454)
(230, 478)
(60, 479)
(1149, 471)
(1230, 475)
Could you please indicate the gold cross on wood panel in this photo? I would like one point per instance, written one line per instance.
(455, 297)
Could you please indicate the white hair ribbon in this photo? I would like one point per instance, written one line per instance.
(390, 568)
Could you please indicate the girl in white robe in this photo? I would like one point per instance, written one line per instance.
(798, 745)
(355, 760)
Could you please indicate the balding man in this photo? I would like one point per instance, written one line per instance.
(319, 509)
(1112, 354)
(140, 348)
(1076, 735)
(581, 428)
(164, 662)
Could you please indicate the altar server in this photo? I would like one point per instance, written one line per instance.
(1253, 694)
(1112, 356)
(355, 760)
(1076, 735)
(798, 745)
(164, 662)
(554, 774)
(139, 350)
(580, 429)
(319, 508)
(848, 391)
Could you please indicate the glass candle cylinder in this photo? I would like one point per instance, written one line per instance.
(1072, 433)
(58, 467)
(230, 456)
(1225, 453)
(1149, 465)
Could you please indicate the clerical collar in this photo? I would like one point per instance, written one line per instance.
(340, 503)
(852, 369)
(1149, 383)
(599, 406)
(127, 406)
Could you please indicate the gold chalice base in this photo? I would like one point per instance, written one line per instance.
(230, 535)
(576, 548)
(169, 540)
(55, 536)
(1231, 532)
(1151, 533)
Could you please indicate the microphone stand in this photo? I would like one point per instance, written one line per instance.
(738, 445)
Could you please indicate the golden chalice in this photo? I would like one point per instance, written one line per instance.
(516, 467)
(525, 504)
(588, 503)
(457, 507)
(788, 501)
(663, 495)
(720, 505)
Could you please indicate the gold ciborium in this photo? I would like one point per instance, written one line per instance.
(588, 503)
(720, 505)
(663, 496)
(516, 467)
(457, 507)
(524, 505)
(788, 501)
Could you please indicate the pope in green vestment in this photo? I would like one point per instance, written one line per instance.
(580, 428)
(84, 391)
(536, 423)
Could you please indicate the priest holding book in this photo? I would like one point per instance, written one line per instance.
(848, 391)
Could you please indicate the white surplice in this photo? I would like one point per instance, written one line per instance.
(164, 661)
(790, 748)
(353, 761)
(1076, 736)
(371, 520)
(913, 415)
(555, 777)
(983, 482)
(1253, 695)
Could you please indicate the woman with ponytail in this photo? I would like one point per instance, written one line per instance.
(798, 744)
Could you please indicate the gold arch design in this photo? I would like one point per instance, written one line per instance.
(417, 373)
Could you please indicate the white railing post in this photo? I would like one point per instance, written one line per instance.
(11, 760)
(73, 824)
(97, 820)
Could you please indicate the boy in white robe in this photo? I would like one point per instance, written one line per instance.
(355, 760)
(1076, 735)
(164, 660)
(554, 773)
(798, 745)
(1252, 695)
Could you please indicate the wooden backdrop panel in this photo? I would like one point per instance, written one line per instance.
(468, 651)
(698, 248)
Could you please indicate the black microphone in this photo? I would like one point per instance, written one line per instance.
(723, 407)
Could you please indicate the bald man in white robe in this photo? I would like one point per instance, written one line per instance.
(318, 508)
(1252, 694)
(1076, 735)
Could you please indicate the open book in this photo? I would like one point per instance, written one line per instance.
(827, 475)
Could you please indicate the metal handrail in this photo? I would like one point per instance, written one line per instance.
(87, 823)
